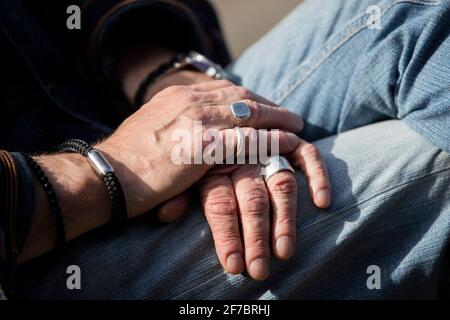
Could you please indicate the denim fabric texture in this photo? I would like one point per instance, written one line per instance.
(57, 84)
(376, 103)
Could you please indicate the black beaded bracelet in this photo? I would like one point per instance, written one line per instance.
(103, 168)
(52, 199)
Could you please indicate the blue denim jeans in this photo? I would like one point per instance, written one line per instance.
(375, 98)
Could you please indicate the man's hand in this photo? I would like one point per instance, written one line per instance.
(138, 63)
(141, 152)
(238, 196)
(236, 199)
(237, 204)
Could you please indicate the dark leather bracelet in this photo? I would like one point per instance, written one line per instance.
(151, 77)
(104, 169)
(52, 199)
(181, 61)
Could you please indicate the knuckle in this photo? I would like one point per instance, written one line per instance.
(312, 154)
(198, 113)
(227, 240)
(320, 171)
(243, 93)
(251, 103)
(220, 206)
(255, 109)
(218, 95)
(206, 114)
(310, 150)
(193, 97)
(226, 83)
(256, 202)
(284, 185)
(286, 220)
(258, 242)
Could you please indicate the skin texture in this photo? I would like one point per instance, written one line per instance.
(140, 151)
(234, 198)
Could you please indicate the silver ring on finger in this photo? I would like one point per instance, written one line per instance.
(274, 165)
(238, 147)
(240, 144)
(241, 113)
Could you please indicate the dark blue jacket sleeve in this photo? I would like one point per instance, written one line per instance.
(16, 212)
(181, 25)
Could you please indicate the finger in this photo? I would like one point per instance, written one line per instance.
(230, 94)
(253, 203)
(174, 208)
(282, 188)
(261, 116)
(256, 142)
(308, 158)
(219, 205)
(222, 169)
(226, 92)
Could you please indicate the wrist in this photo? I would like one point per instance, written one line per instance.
(137, 63)
(176, 78)
(73, 181)
(130, 170)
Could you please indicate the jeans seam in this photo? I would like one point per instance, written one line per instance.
(341, 38)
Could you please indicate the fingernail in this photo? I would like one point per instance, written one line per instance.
(285, 247)
(259, 269)
(323, 197)
(235, 263)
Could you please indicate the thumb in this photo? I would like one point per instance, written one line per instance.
(174, 208)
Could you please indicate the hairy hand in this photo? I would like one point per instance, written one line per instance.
(142, 147)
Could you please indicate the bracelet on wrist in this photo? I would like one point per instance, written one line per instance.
(151, 78)
(181, 61)
(52, 199)
(104, 169)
